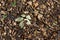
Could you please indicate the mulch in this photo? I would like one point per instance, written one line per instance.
(45, 19)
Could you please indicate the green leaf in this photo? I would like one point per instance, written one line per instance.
(19, 19)
(28, 22)
(28, 17)
(13, 3)
(4, 16)
(23, 15)
(21, 24)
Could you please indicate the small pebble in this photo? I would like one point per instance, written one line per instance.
(4, 33)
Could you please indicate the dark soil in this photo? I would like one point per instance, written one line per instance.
(45, 19)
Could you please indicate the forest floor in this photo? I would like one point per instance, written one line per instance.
(29, 19)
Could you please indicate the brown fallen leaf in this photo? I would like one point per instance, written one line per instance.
(42, 6)
(29, 2)
(40, 16)
(35, 4)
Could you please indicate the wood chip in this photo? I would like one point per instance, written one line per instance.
(29, 2)
(3, 12)
(24, 0)
(59, 16)
(26, 12)
(14, 23)
(42, 6)
(48, 3)
(34, 0)
(0, 4)
(36, 4)
(40, 16)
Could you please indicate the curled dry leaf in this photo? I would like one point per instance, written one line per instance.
(36, 13)
(34, 0)
(24, 0)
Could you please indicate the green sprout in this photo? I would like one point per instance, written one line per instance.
(13, 3)
(21, 24)
(28, 17)
(4, 16)
(23, 15)
(23, 18)
(19, 19)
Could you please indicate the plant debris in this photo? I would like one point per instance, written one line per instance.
(29, 19)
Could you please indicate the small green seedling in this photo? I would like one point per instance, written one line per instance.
(21, 24)
(28, 22)
(13, 3)
(28, 17)
(23, 18)
(19, 19)
(23, 15)
(4, 16)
